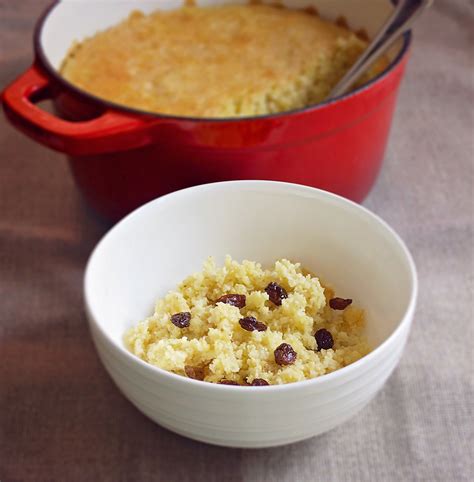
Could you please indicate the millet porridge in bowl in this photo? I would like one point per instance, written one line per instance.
(242, 324)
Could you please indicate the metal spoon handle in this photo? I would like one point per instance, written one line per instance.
(403, 16)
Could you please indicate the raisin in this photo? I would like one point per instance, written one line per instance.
(233, 300)
(181, 320)
(339, 303)
(259, 382)
(276, 293)
(284, 354)
(259, 326)
(228, 382)
(194, 372)
(324, 339)
(250, 323)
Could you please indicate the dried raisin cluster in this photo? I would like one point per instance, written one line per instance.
(324, 339)
(233, 300)
(284, 354)
(250, 323)
(181, 320)
(339, 303)
(276, 293)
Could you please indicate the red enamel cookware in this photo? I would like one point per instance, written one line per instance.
(122, 157)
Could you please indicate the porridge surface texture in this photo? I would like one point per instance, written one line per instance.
(249, 337)
(221, 61)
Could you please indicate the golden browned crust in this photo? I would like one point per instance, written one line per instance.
(216, 61)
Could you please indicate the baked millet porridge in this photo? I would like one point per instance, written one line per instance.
(241, 324)
(217, 61)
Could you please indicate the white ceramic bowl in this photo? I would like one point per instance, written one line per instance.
(155, 247)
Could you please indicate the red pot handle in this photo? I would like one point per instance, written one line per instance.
(110, 131)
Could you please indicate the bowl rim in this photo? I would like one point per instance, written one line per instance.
(290, 188)
(107, 104)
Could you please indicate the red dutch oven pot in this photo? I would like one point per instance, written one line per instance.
(122, 157)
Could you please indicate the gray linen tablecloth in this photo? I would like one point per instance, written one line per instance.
(62, 418)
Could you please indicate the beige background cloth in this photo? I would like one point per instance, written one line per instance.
(62, 418)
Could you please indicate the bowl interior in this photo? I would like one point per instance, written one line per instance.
(155, 247)
(71, 20)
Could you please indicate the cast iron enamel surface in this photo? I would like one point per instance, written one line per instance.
(122, 158)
